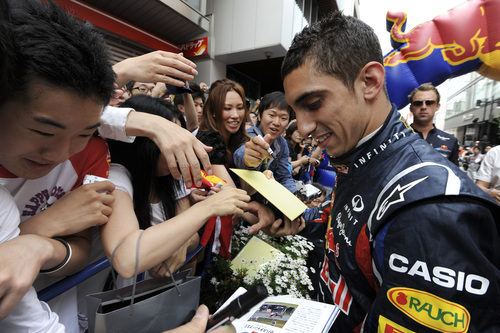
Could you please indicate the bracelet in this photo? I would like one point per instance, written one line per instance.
(64, 262)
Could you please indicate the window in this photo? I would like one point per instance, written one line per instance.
(196, 4)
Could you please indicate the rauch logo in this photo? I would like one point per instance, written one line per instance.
(430, 310)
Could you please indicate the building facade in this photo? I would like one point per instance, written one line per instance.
(473, 109)
(244, 40)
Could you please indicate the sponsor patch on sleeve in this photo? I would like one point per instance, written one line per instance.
(430, 310)
(388, 326)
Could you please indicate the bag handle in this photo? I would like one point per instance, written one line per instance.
(136, 266)
(113, 273)
(172, 277)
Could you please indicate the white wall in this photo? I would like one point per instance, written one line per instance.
(210, 70)
(243, 26)
(269, 21)
(287, 27)
(245, 30)
(223, 26)
(346, 6)
(293, 22)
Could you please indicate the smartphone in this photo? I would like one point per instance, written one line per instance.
(174, 90)
(239, 306)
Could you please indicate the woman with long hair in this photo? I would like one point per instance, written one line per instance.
(223, 128)
(146, 195)
(223, 125)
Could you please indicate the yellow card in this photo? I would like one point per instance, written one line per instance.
(273, 191)
(253, 255)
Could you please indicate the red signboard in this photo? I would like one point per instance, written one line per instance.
(194, 48)
(108, 22)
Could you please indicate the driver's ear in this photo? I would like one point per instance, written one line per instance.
(372, 79)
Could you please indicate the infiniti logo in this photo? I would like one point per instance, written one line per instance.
(357, 203)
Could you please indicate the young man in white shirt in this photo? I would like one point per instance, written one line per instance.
(50, 115)
(47, 120)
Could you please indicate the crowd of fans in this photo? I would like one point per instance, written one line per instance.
(482, 164)
(153, 178)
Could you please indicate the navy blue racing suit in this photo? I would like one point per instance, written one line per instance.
(412, 244)
(444, 143)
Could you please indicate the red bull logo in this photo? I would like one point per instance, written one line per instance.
(342, 168)
(330, 243)
(462, 34)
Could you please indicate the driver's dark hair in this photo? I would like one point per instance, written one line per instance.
(337, 45)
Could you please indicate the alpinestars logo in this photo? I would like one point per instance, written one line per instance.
(397, 195)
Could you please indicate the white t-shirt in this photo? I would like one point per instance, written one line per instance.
(31, 196)
(30, 314)
(490, 168)
(474, 164)
(121, 178)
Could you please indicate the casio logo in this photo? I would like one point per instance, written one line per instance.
(441, 276)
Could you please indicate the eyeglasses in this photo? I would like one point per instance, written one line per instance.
(420, 103)
(143, 89)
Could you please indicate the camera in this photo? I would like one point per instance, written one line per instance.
(307, 192)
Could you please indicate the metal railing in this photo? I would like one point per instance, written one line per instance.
(69, 282)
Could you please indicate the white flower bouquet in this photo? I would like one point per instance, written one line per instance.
(287, 273)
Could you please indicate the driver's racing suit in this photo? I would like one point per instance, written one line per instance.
(412, 244)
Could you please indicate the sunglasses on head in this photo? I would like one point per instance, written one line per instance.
(420, 103)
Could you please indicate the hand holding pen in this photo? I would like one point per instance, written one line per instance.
(257, 149)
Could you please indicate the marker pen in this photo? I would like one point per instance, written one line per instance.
(269, 150)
